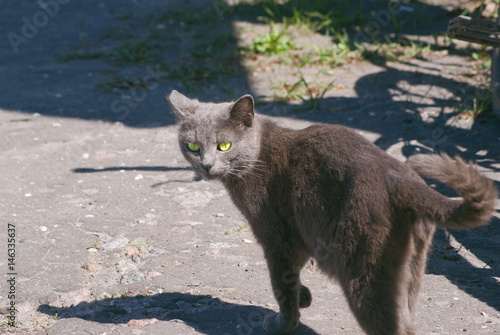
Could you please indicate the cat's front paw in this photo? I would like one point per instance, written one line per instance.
(276, 324)
(305, 298)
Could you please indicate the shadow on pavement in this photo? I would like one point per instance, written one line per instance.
(192, 175)
(205, 314)
(131, 168)
(482, 279)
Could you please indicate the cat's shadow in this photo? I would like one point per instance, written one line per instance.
(131, 168)
(205, 314)
(187, 176)
(480, 280)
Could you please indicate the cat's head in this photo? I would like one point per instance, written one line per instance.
(219, 139)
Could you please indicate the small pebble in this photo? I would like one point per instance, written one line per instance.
(138, 177)
(130, 278)
(125, 266)
(28, 195)
(114, 243)
(137, 323)
(219, 215)
(152, 250)
(221, 245)
(153, 274)
(132, 251)
(42, 228)
(245, 240)
(92, 267)
(147, 221)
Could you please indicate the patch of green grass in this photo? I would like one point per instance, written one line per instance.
(122, 83)
(80, 54)
(137, 51)
(274, 42)
(481, 105)
(482, 57)
(342, 52)
(302, 90)
(126, 294)
(141, 245)
(288, 92)
(243, 227)
(95, 245)
(396, 50)
(313, 95)
(197, 69)
(129, 53)
(208, 59)
(317, 15)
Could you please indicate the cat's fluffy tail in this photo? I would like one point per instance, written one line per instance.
(478, 192)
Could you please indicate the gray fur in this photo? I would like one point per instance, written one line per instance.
(328, 193)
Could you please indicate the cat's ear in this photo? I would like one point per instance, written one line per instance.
(243, 110)
(182, 106)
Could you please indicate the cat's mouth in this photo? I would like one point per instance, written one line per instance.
(209, 174)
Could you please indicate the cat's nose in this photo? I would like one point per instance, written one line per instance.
(207, 167)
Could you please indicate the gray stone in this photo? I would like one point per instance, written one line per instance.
(132, 277)
(114, 243)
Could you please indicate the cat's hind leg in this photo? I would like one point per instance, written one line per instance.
(421, 238)
(376, 279)
(284, 268)
(374, 303)
(305, 297)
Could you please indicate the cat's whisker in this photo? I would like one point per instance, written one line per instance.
(250, 164)
(255, 169)
(254, 173)
(244, 171)
(254, 161)
(234, 174)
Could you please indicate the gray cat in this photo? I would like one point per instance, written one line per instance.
(326, 192)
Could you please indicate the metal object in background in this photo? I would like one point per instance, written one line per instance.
(475, 30)
(486, 33)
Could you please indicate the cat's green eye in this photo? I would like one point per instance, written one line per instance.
(224, 146)
(193, 147)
